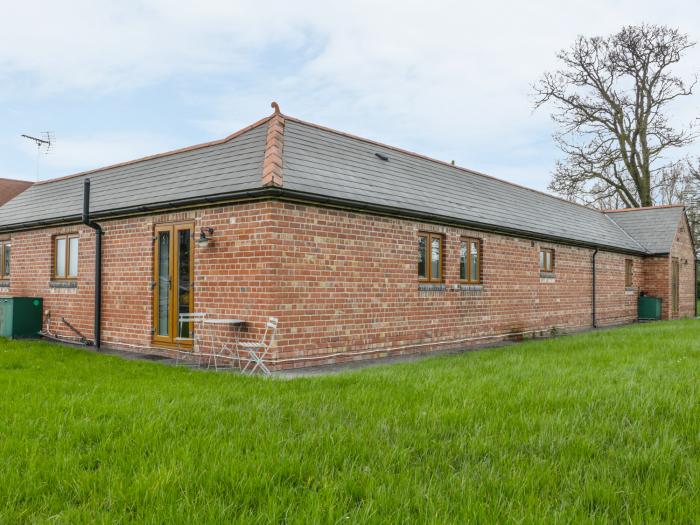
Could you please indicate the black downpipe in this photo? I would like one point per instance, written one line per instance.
(595, 321)
(695, 287)
(98, 261)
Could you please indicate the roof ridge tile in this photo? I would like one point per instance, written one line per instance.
(625, 232)
(641, 208)
(274, 146)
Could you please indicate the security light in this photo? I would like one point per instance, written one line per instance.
(203, 240)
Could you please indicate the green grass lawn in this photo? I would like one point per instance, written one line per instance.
(601, 427)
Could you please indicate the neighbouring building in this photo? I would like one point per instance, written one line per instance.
(360, 249)
(10, 188)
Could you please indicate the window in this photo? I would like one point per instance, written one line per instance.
(65, 257)
(470, 261)
(629, 267)
(547, 260)
(430, 257)
(5, 259)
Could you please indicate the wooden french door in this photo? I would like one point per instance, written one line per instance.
(675, 291)
(173, 272)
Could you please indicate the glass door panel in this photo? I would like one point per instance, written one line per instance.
(163, 284)
(172, 283)
(184, 270)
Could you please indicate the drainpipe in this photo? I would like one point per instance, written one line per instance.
(98, 260)
(595, 322)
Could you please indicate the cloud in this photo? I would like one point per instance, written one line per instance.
(447, 78)
(451, 79)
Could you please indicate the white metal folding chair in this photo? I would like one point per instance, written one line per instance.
(193, 320)
(257, 350)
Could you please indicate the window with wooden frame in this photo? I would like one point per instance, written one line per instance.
(629, 269)
(470, 260)
(430, 257)
(5, 259)
(546, 260)
(65, 258)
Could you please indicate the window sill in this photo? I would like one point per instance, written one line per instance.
(63, 284)
(469, 287)
(630, 291)
(431, 287)
(4, 283)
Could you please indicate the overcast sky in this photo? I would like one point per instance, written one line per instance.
(119, 80)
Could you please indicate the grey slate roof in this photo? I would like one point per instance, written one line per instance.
(219, 168)
(329, 164)
(653, 228)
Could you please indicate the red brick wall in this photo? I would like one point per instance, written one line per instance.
(616, 303)
(233, 276)
(341, 282)
(31, 268)
(657, 281)
(682, 249)
(657, 275)
(348, 283)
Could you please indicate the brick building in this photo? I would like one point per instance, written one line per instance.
(360, 250)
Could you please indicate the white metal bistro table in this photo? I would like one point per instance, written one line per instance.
(227, 348)
(232, 322)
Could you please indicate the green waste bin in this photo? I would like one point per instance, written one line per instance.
(20, 317)
(649, 308)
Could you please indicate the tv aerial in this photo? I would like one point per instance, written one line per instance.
(44, 146)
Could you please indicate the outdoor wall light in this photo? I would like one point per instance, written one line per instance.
(203, 240)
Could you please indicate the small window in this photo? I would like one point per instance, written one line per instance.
(470, 261)
(430, 257)
(5, 260)
(66, 257)
(547, 260)
(423, 257)
(629, 273)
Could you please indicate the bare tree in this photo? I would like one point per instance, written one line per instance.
(694, 169)
(691, 199)
(611, 99)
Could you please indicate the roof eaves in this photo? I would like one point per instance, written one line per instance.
(431, 217)
(146, 209)
(297, 196)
